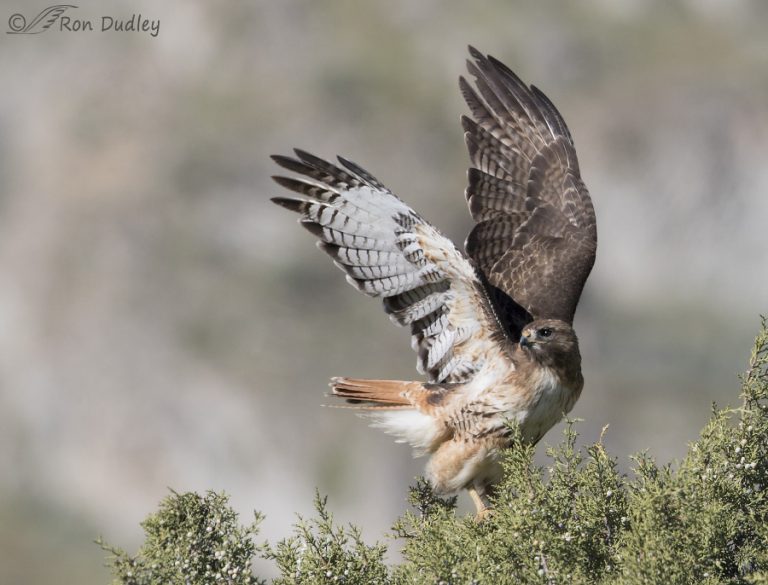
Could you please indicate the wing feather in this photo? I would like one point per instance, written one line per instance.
(536, 235)
(387, 250)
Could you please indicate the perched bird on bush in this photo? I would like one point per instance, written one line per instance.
(492, 328)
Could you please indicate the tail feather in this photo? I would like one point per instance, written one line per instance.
(395, 407)
(373, 394)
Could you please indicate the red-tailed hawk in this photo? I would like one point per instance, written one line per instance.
(492, 329)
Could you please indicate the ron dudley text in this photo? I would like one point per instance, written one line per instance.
(110, 23)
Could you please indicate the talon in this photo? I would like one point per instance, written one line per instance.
(484, 514)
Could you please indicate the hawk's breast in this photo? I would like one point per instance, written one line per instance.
(549, 401)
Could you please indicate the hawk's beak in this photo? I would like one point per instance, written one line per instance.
(525, 341)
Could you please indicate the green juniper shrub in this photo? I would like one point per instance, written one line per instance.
(576, 520)
(191, 539)
(322, 552)
(561, 523)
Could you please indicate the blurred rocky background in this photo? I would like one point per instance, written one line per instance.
(162, 324)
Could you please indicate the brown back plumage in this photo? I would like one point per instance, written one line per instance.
(536, 235)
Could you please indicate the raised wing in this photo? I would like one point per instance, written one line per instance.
(536, 235)
(389, 251)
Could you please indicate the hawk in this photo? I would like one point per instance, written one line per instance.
(493, 327)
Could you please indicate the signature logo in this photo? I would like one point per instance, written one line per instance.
(41, 23)
(65, 23)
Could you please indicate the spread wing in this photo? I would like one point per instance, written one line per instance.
(387, 250)
(536, 235)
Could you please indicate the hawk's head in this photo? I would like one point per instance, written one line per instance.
(550, 342)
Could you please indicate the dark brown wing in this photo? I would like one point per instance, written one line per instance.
(536, 235)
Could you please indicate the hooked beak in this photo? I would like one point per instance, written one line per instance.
(525, 340)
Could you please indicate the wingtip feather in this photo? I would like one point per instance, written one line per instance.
(289, 203)
(284, 161)
(475, 53)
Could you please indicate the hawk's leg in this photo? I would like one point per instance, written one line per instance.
(479, 495)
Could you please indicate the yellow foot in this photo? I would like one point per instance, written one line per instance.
(481, 505)
(484, 514)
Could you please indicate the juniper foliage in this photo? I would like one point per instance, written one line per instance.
(191, 539)
(576, 520)
(322, 552)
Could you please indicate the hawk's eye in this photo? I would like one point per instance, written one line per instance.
(545, 332)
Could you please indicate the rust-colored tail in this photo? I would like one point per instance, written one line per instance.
(373, 394)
